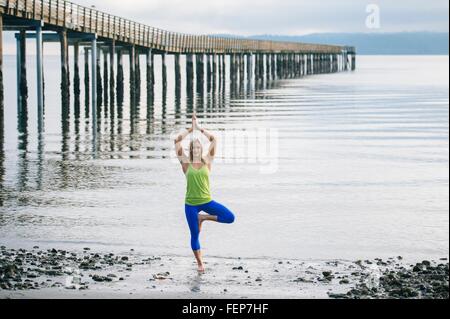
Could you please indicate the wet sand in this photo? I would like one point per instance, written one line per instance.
(58, 274)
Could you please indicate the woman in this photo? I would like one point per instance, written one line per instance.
(197, 167)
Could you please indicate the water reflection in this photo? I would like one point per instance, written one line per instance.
(125, 127)
(177, 114)
(22, 147)
(195, 283)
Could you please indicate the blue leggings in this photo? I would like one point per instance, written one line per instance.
(224, 216)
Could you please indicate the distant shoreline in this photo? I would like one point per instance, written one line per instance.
(376, 42)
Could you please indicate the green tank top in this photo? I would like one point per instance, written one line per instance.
(197, 192)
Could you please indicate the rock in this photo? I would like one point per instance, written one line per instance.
(300, 279)
(337, 296)
(418, 268)
(52, 272)
(99, 278)
(161, 276)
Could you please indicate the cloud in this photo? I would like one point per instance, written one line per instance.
(246, 17)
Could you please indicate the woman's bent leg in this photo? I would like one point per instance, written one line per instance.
(224, 215)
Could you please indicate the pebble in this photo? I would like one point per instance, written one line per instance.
(99, 278)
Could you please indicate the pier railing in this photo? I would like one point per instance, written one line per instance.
(78, 18)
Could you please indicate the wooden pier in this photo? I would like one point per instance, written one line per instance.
(100, 33)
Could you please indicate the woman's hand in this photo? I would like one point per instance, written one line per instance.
(194, 122)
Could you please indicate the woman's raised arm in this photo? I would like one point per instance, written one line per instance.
(184, 160)
(211, 138)
(212, 146)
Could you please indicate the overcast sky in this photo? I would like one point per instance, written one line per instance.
(275, 17)
(287, 17)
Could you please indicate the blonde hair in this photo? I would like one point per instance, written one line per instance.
(191, 150)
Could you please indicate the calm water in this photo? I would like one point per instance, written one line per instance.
(363, 167)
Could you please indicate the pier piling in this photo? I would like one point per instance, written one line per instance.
(132, 59)
(99, 79)
(137, 70)
(267, 66)
(112, 53)
(208, 72)
(86, 80)
(249, 67)
(39, 77)
(189, 72)
(94, 81)
(120, 78)
(214, 72)
(76, 72)
(177, 70)
(164, 71)
(22, 71)
(65, 81)
(149, 70)
(105, 80)
(200, 68)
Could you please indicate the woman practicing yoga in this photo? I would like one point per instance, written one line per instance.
(197, 167)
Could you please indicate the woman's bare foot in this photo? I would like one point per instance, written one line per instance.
(201, 269)
(198, 257)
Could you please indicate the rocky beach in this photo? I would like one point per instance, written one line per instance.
(54, 273)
